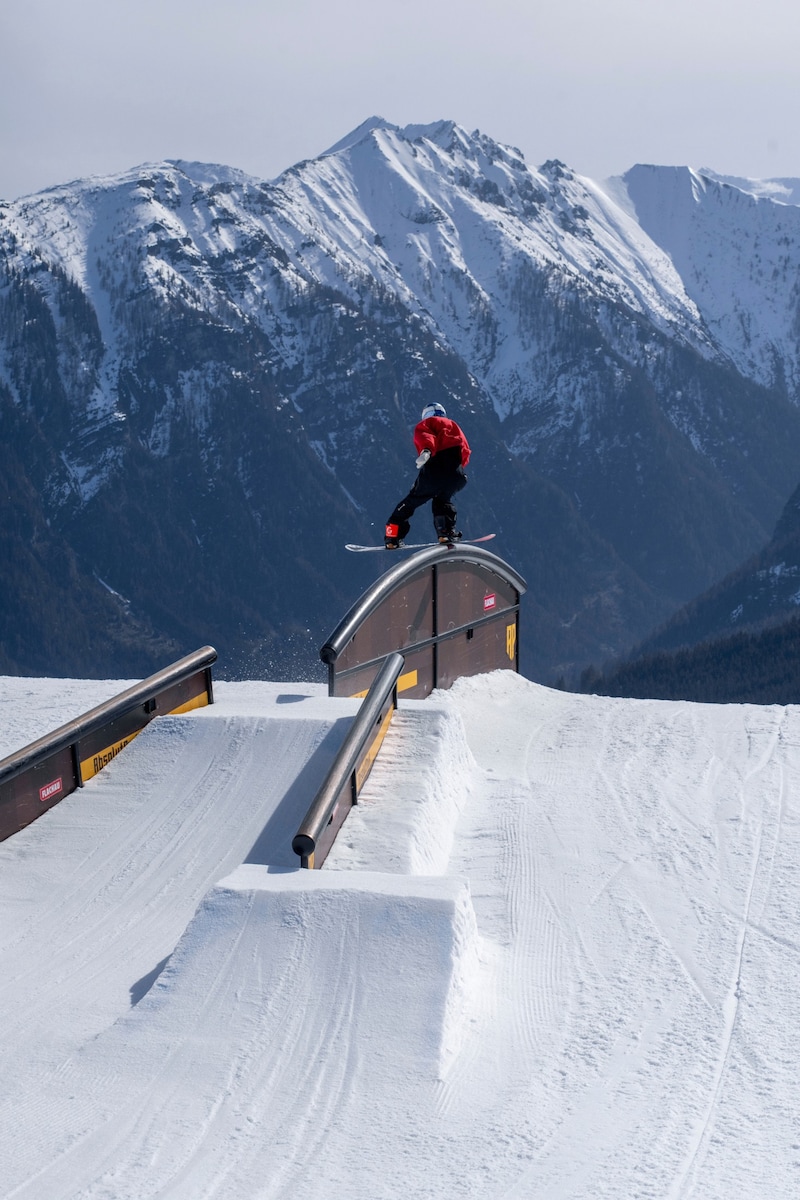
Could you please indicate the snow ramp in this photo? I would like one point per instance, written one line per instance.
(288, 997)
(608, 1012)
(168, 1034)
(96, 894)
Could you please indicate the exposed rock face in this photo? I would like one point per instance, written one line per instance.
(208, 383)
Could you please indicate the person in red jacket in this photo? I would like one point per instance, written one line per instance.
(443, 452)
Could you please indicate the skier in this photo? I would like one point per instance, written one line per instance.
(443, 452)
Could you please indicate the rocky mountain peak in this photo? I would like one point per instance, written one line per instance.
(206, 375)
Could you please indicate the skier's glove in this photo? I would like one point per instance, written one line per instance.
(423, 458)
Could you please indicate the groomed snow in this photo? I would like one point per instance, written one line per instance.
(553, 954)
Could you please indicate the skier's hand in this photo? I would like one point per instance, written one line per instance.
(423, 458)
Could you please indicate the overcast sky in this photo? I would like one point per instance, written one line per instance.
(97, 86)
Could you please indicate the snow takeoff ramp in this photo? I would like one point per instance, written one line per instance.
(96, 896)
(299, 969)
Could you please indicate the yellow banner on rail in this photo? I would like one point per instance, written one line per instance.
(90, 766)
(404, 682)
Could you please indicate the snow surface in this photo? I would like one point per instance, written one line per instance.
(553, 954)
(734, 244)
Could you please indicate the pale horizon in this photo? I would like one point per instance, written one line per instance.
(94, 91)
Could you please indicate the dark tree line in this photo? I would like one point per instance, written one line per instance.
(746, 668)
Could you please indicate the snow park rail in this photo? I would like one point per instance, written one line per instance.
(451, 611)
(350, 768)
(35, 778)
(444, 613)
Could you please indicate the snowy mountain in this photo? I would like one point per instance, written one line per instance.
(736, 246)
(209, 383)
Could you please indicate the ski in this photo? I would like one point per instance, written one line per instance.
(487, 537)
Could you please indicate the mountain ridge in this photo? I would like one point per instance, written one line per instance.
(188, 332)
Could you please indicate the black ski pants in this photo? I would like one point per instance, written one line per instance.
(438, 481)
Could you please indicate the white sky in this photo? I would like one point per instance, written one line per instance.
(93, 86)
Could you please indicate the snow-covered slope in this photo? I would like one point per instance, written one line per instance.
(735, 244)
(588, 991)
(452, 225)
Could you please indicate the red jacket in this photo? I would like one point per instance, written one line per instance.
(439, 433)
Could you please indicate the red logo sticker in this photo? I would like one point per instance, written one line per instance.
(50, 789)
(489, 602)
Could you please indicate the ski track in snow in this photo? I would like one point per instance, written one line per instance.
(552, 954)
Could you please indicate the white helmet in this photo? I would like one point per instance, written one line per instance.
(433, 410)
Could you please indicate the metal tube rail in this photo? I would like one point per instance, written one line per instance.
(349, 770)
(41, 774)
(97, 718)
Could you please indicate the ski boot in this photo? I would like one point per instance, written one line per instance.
(392, 539)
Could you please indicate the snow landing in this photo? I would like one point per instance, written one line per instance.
(553, 954)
